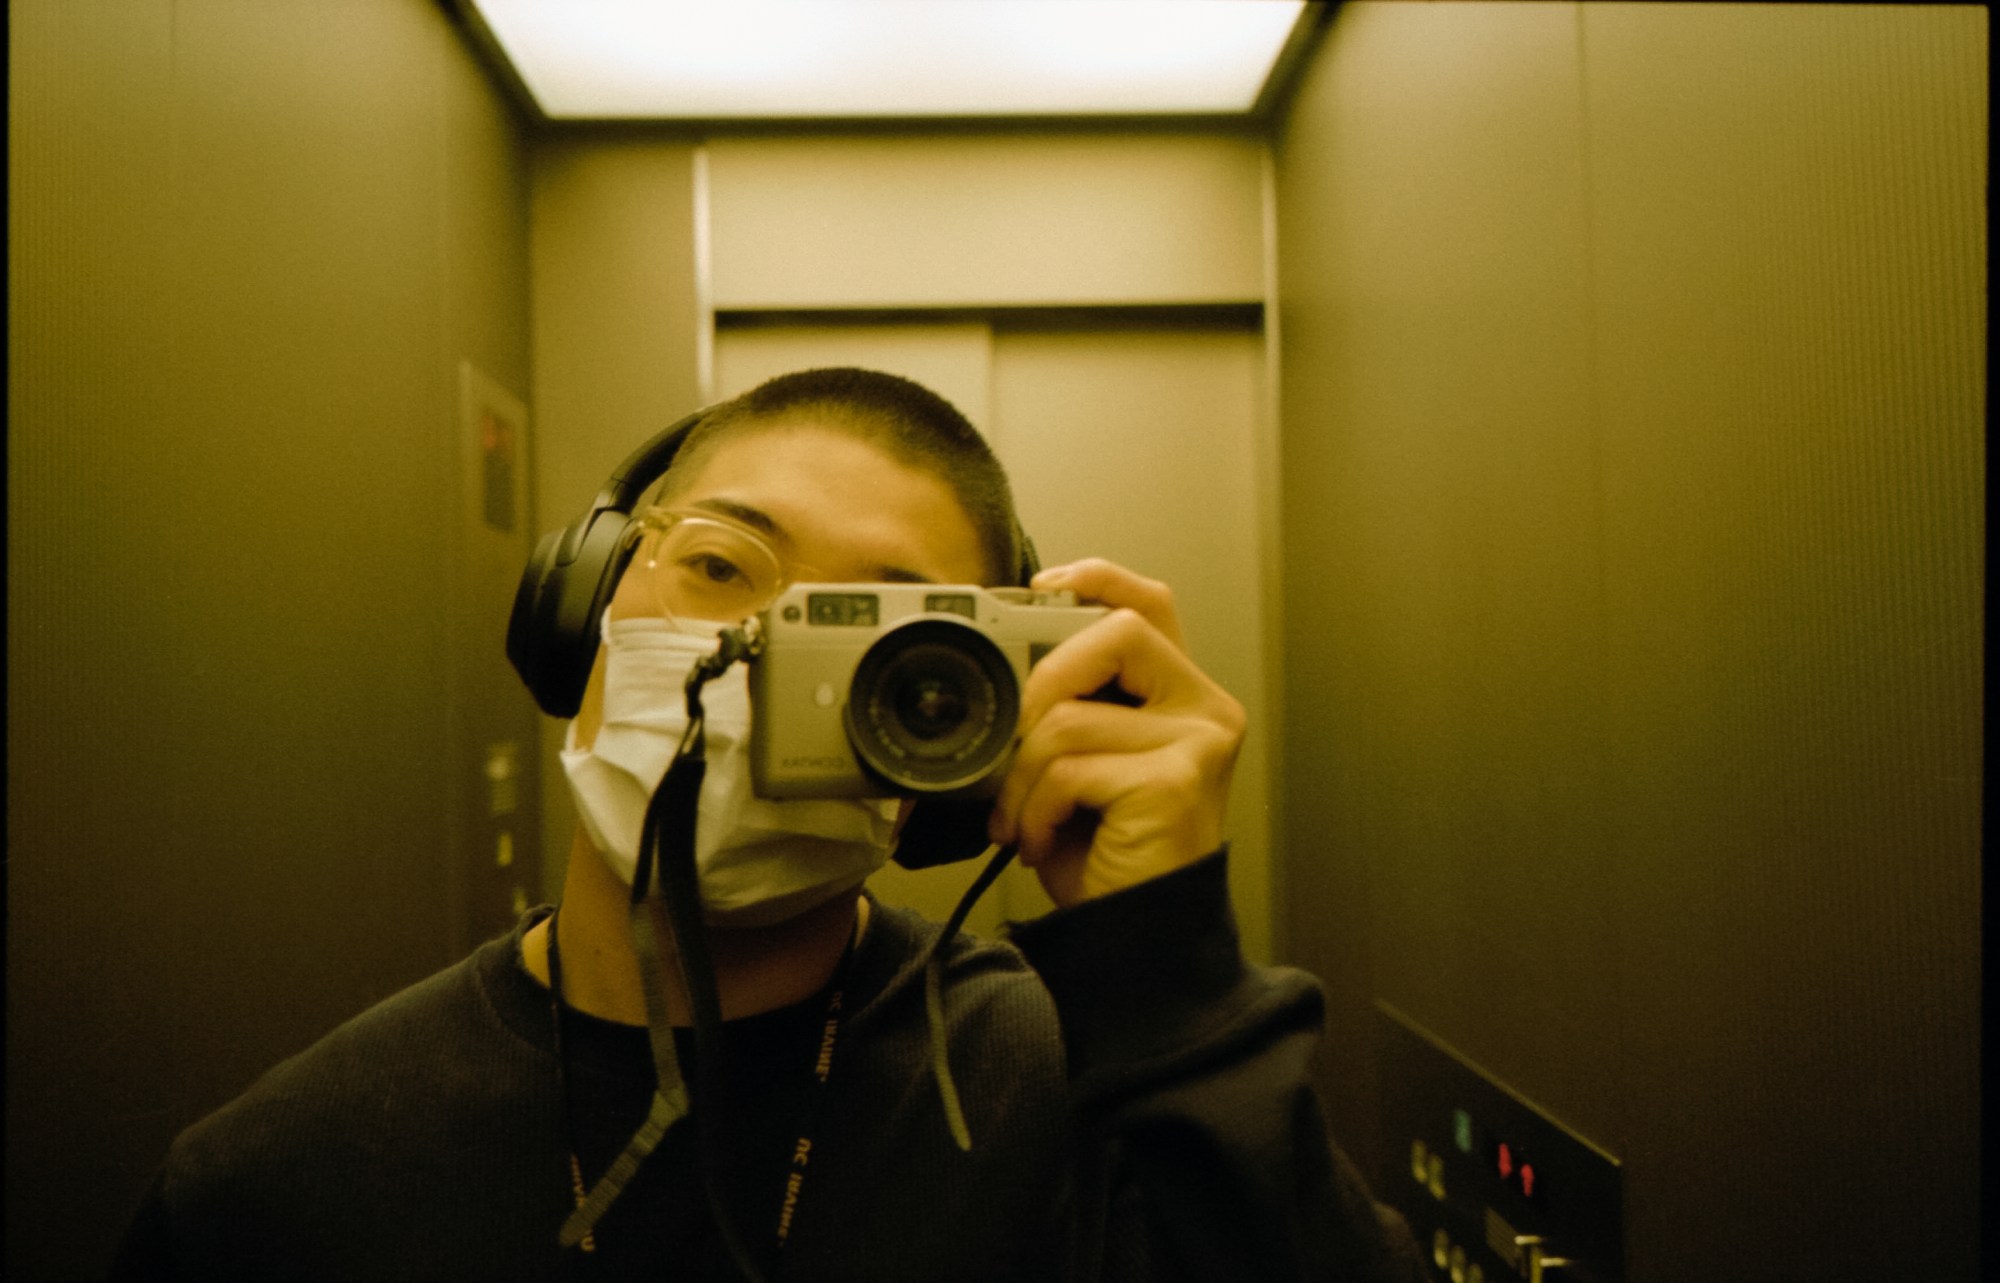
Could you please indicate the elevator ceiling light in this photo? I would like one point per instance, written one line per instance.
(874, 59)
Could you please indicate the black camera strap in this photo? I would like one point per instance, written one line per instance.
(670, 1097)
(954, 1114)
(666, 847)
(670, 1102)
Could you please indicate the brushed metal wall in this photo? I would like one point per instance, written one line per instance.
(250, 246)
(1633, 380)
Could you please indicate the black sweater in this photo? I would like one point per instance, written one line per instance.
(1137, 1097)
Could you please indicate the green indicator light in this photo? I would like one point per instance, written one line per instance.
(1461, 1130)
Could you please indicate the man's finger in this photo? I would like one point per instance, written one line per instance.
(1073, 727)
(1123, 647)
(1068, 784)
(1096, 580)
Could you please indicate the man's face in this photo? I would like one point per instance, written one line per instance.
(834, 508)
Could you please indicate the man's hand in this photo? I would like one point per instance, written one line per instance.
(1102, 796)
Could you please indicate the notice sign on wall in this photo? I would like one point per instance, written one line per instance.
(496, 452)
(493, 440)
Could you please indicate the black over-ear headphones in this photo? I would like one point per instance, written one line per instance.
(552, 634)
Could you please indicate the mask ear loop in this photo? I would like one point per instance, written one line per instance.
(666, 842)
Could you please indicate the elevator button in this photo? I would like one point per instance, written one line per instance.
(503, 777)
(1420, 1161)
(1436, 1180)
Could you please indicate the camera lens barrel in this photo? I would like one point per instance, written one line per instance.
(933, 706)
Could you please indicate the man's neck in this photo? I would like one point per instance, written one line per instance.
(757, 969)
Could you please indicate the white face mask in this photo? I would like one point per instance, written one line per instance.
(758, 861)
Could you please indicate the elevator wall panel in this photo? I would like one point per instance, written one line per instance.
(1632, 382)
(249, 247)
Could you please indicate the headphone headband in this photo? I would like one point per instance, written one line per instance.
(646, 465)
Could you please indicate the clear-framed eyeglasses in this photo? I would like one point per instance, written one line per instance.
(690, 565)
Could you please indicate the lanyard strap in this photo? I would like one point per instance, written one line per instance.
(795, 1175)
(670, 1101)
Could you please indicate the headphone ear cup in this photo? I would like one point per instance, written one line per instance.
(552, 632)
(524, 630)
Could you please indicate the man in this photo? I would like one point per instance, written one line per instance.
(1134, 1098)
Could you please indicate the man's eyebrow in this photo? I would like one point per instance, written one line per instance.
(756, 518)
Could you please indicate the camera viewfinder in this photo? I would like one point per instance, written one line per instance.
(952, 603)
(843, 609)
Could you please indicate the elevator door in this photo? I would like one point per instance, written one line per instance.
(1132, 442)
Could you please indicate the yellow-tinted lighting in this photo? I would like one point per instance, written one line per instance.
(749, 59)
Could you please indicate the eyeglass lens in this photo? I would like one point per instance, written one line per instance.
(694, 568)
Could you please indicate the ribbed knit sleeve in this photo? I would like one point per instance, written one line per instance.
(418, 1140)
(1202, 1151)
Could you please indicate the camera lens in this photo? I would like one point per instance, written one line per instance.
(933, 706)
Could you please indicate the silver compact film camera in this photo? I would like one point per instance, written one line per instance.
(893, 689)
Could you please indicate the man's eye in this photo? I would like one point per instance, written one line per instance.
(719, 570)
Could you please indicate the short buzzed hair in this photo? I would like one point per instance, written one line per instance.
(904, 419)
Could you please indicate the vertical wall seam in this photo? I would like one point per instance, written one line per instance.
(1604, 759)
(449, 382)
(169, 249)
(704, 279)
(1270, 500)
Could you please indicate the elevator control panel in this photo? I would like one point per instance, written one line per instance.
(1493, 1187)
